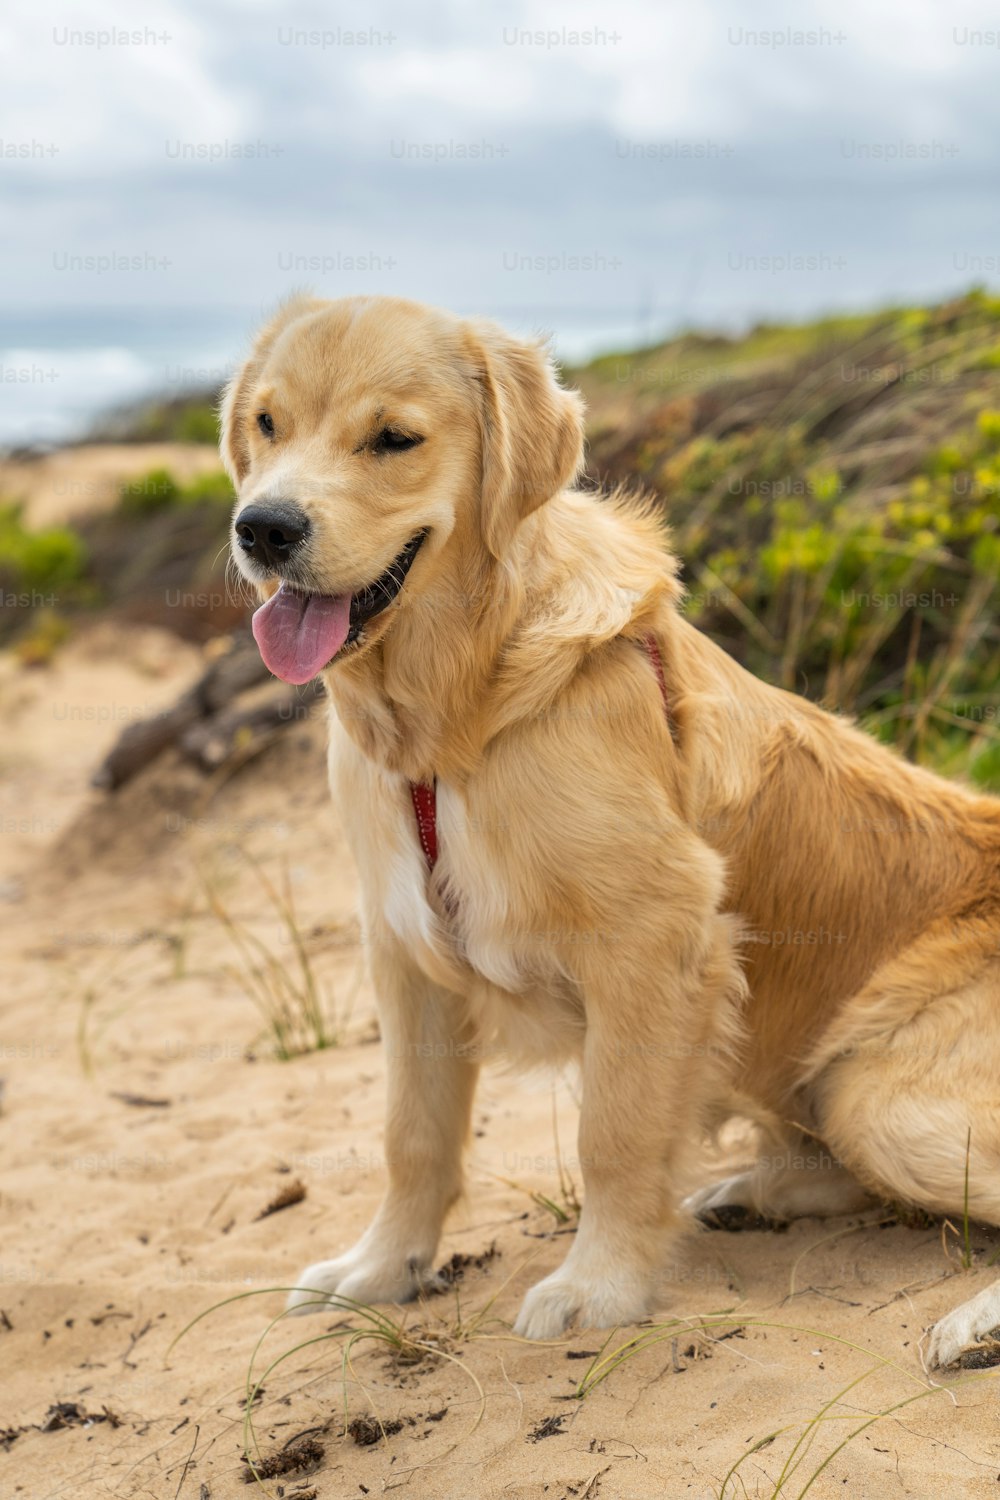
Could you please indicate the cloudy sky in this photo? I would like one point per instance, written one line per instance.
(608, 174)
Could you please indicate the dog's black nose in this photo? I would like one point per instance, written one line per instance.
(270, 533)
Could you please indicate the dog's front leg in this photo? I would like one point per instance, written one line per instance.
(431, 1079)
(648, 1066)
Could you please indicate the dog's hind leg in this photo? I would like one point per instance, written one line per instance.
(914, 1113)
(795, 1177)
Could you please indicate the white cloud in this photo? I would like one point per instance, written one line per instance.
(661, 74)
(105, 102)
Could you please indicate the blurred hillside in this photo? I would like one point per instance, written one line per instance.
(833, 490)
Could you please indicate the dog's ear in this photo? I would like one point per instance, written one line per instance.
(233, 411)
(532, 430)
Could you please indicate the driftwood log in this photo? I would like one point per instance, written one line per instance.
(233, 705)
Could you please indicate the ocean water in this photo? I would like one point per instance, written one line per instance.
(62, 370)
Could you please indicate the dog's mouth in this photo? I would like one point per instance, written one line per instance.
(298, 634)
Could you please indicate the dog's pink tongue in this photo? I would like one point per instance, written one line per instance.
(297, 634)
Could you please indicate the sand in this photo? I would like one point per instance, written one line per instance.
(146, 1126)
(76, 481)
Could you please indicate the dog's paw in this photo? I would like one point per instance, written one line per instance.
(969, 1336)
(561, 1300)
(348, 1280)
(711, 1204)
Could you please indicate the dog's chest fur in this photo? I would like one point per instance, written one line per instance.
(521, 992)
(461, 924)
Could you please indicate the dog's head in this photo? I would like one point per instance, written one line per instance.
(368, 437)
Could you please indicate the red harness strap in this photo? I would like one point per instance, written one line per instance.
(652, 647)
(423, 794)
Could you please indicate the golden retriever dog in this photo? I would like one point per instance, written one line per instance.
(584, 833)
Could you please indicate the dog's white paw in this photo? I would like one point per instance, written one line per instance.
(561, 1299)
(961, 1332)
(356, 1279)
(730, 1192)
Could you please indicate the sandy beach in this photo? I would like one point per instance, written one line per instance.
(158, 1158)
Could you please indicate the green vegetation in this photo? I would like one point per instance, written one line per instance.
(197, 424)
(189, 418)
(37, 562)
(833, 490)
(358, 1325)
(164, 542)
(215, 488)
(834, 494)
(159, 490)
(280, 980)
(38, 645)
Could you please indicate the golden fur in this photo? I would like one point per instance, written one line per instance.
(750, 907)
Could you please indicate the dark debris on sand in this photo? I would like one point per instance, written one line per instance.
(454, 1269)
(297, 1455)
(366, 1431)
(546, 1428)
(292, 1193)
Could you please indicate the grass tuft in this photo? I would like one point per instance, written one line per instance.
(281, 983)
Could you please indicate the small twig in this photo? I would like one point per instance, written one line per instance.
(187, 1463)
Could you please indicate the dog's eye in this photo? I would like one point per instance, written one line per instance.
(266, 423)
(390, 440)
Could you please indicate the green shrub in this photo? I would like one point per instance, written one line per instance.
(41, 642)
(214, 488)
(197, 424)
(38, 560)
(160, 490)
(52, 558)
(985, 769)
(157, 490)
